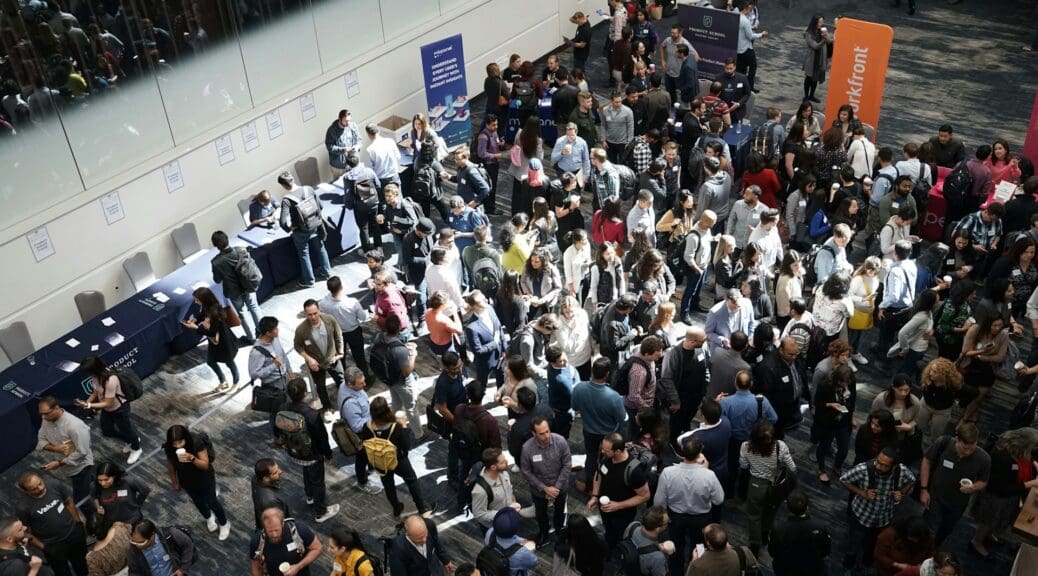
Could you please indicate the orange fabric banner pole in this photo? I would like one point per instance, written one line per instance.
(861, 52)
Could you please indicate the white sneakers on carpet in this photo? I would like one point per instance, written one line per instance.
(329, 513)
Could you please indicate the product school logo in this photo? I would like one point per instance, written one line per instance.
(88, 385)
(708, 21)
(15, 390)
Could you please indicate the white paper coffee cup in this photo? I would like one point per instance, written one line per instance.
(668, 547)
(181, 452)
(284, 567)
(965, 482)
(603, 500)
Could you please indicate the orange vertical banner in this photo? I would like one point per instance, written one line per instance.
(861, 52)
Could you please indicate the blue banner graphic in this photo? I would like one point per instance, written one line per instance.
(446, 92)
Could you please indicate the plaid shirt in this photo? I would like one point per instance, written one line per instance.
(642, 154)
(879, 512)
(978, 231)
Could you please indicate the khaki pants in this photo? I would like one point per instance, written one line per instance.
(337, 172)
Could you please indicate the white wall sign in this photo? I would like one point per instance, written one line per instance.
(174, 179)
(352, 84)
(112, 207)
(250, 136)
(274, 128)
(307, 106)
(225, 149)
(39, 241)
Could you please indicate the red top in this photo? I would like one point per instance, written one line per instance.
(769, 185)
(610, 231)
(390, 302)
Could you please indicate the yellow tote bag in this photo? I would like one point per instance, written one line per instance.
(861, 320)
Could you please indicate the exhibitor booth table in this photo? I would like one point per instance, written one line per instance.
(143, 331)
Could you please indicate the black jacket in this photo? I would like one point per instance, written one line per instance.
(563, 103)
(267, 496)
(673, 386)
(415, 255)
(225, 273)
(404, 217)
(774, 379)
(616, 335)
(799, 546)
(179, 546)
(404, 558)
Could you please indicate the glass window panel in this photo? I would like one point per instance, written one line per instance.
(400, 16)
(38, 171)
(278, 44)
(346, 28)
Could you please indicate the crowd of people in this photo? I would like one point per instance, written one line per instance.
(676, 338)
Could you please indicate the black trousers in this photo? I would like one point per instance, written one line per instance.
(686, 530)
(313, 486)
(367, 228)
(407, 473)
(615, 523)
(490, 204)
(746, 63)
(70, 551)
(355, 340)
(322, 387)
(592, 447)
(540, 506)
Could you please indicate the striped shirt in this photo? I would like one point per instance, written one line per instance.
(764, 466)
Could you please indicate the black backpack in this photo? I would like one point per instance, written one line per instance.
(810, 274)
(1025, 413)
(957, 187)
(131, 384)
(475, 478)
(380, 358)
(305, 209)
(486, 275)
(493, 560)
(811, 340)
(596, 322)
(676, 253)
(524, 92)
(465, 437)
(921, 190)
(172, 543)
(621, 381)
(426, 185)
(631, 554)
(376, 565)
(639, 457)
(628, 181)
(764, 142)
(365, 193)
(248, 273)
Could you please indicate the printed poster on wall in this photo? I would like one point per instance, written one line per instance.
(858, 73)
(713, 33)
(446, 92)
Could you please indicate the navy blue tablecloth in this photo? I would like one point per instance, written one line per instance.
(738, 140)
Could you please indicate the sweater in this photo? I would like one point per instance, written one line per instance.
(913, 335)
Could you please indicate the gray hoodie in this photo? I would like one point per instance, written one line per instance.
(714, 195)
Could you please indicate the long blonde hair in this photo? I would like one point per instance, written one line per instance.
(870, 263)
(664, 314)
(725, 246)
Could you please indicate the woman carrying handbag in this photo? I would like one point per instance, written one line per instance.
(772, 471)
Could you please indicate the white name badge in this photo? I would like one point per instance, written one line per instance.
(537, 458)
(61, 508)
(739, 85)
(603, 469)
(462, 181)
(949, 464)
(675, 169)
(1015, 467)
(122, 493)
(760, 358)
(894, 205)
(950, 261)
(699, 357)
(165, 557)
(785, 379)
(1016, 272)
(290, 546)
(802, 203)
(307, 342)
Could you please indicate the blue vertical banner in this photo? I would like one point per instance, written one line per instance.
(446, 92)
(714, 33)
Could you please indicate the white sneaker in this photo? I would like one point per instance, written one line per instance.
(309, 501)
(328, 514)
(370, 488)
(853, 367)
(135, 455)
(860, 359)
(210, 523)
(225, 531)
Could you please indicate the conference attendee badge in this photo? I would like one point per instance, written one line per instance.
(165, 557)
(1015, 467)
(950, 261)
(122, 493)
(462, 182)
(604, 469)
(308, 343)
(537, 458)
(675, 169)
(802, 203)
(894, 205)
(61, 508)
(785, 379)
(290, 546)
(699, 357)
(739, 85)
(760, 358)
(949, 464)
(1016, 272)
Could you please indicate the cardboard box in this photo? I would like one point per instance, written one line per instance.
(395, 127)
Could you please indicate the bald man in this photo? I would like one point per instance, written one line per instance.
(781, 379)
(297, 547)
(684, 379)
(418, 551)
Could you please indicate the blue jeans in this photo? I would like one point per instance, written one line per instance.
(690, 296)
(118, 424)
(305, 242)
(248, 300)
(215, 365)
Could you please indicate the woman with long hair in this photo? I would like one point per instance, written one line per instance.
(512, 309)
(942, 387)
(652, 267)
(190, 467)
(607, 224)
(349, 558)
(760, 457)
(118, 498)
(663, 327)
(792, 152)
(914, 337)
(790, 285)
(846, 121)
(983, 349)
(1012, 476)
(211, 322)
(576, 263)
(517, 375)
(846, 213)
(641, 243)
(565, 201)
(760, 174)
(954, 318)
(423, 135)
(752, 280)
(806, 115)
(834, 415)
(797, 221)
(997, 302)
(543, 221)
(1018, 265)
(680, 219)
(905, 407)
(496, 91)
(529, 146)
(574, 336)
(864, 283)
(541, 283)
(443, 321)
(385, 425)
(816, 60)
(961, 258)
(1004, 165)
(516, 243)
(833, 306)
(831, 157)
(107, 394)
(581, 548)
(608, 281)
(723, 265)
(878, 432)
(484, 337)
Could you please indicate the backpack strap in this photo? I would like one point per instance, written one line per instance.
(363, 558)
(486, 488)
(760, 406)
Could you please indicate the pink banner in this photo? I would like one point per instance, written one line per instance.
(1031, 141)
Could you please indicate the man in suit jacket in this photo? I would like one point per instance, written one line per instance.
(733, 314)
(318, 340)
(418, 550)
(781, 379)
(486, 340)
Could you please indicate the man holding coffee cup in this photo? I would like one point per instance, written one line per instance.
(943, 487)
